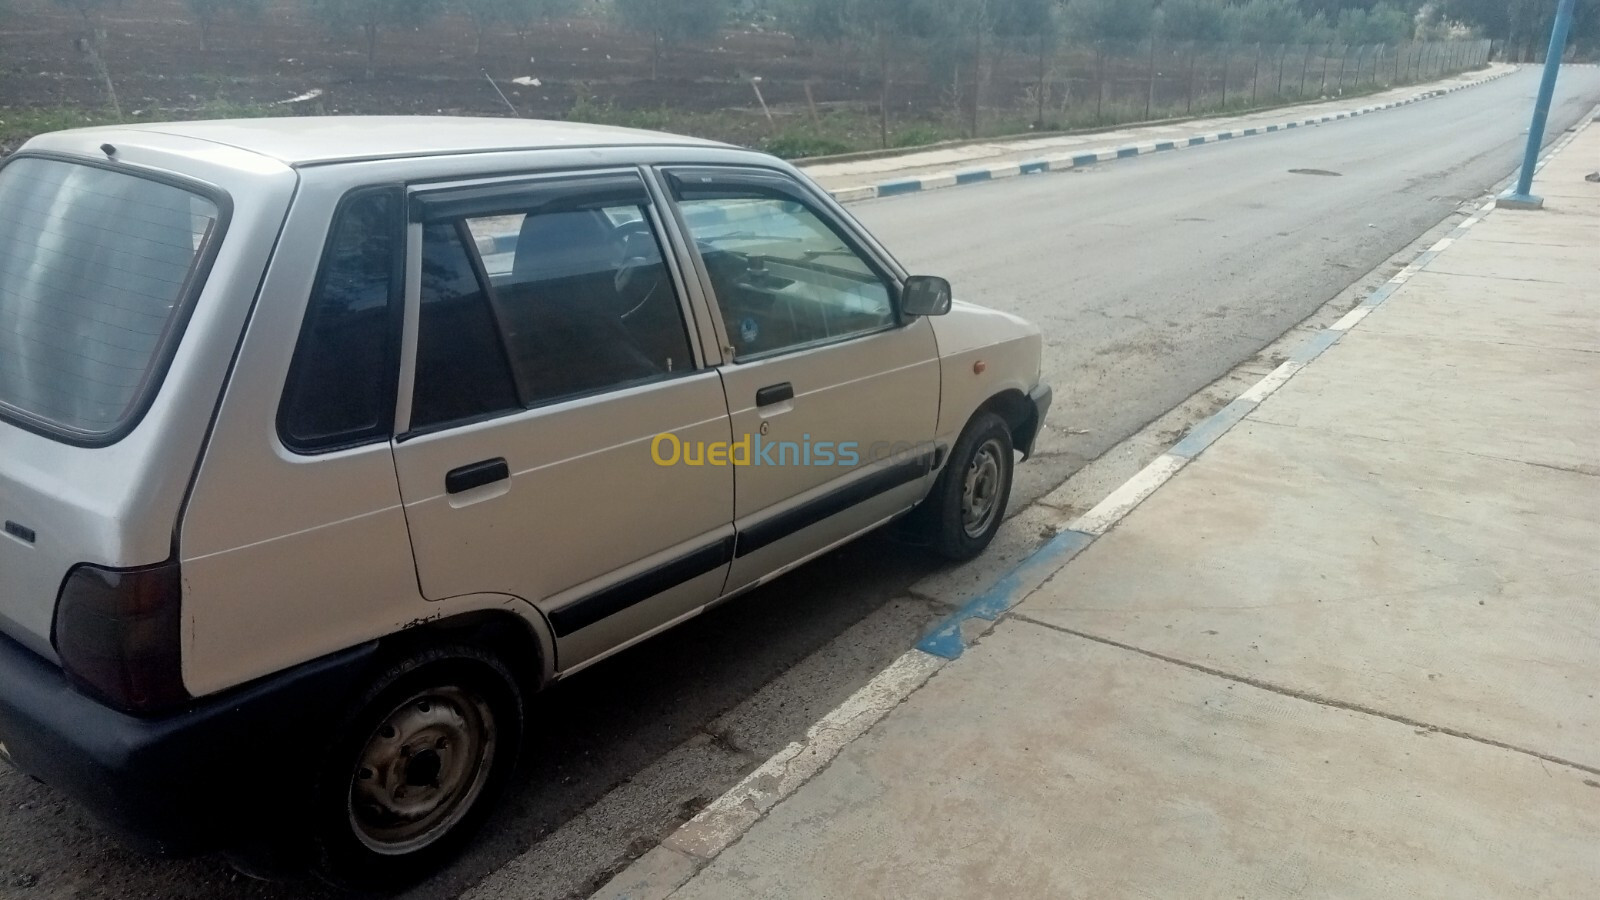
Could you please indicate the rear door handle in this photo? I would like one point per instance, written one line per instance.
(475, 475)
(774, 393)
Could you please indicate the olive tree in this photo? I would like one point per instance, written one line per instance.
(372, 18)
(668, 23)
(1265, 22)
(207, 13)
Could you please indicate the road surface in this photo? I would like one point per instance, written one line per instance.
(1150, 277)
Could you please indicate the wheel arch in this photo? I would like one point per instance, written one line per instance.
(1019, 414)
(525, 645)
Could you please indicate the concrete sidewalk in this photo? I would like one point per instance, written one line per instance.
(1348, 648)
(860, 179)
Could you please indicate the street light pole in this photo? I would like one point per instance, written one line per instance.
(1521, 197)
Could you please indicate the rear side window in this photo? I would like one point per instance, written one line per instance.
(342, 381)
(97, 268)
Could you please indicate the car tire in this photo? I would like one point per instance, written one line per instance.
(415, 767)
(968, 501)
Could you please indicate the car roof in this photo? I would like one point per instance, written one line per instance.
(313, 140)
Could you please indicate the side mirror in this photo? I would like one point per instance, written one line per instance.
(925, 295)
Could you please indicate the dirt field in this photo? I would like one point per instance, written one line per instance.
(152, 51)
(586, 68)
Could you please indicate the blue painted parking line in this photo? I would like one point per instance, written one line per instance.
(946, 640)
(1313, 348)
(1212, 427)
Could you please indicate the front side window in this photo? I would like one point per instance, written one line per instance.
(96, 271)
(783, 277)
(341, 383)
(564, 299)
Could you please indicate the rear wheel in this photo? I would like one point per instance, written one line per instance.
(968, 502)
(416, 766)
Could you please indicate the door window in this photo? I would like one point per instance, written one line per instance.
(462, 372)
(783, 276)
(567, 297)
(341, 384)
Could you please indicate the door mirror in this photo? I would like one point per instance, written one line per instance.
(925, 295)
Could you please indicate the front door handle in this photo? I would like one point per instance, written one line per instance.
(774, 393)
(475, 475)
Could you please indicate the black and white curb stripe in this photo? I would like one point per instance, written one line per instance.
(1082, 158)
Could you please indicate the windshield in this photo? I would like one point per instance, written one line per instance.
(94, 269)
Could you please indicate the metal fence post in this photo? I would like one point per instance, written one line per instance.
(1255, 77)
(1150, 98)
(1189, 98)
(1521, 197)
(1227, 61)
(1304, 68)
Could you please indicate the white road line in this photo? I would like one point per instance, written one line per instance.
(1132, 492)
(1274, 380)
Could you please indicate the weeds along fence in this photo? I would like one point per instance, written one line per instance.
(1020, 86)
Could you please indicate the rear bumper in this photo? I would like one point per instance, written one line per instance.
(1040, 397)
(227, 768)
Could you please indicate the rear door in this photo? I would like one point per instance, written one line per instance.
(549, 350)
(834, 393)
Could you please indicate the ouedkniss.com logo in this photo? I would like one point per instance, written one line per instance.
(756, 450)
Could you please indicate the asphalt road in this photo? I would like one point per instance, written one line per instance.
(1150, 277)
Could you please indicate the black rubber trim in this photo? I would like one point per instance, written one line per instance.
(788, 522)
(775, 393)
(1040, 397)
(543, 195)
(475, 475)
(586, 611)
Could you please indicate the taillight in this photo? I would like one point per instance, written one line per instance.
(117, 633)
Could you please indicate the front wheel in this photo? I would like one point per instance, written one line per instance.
(416, 767)
(968, 502)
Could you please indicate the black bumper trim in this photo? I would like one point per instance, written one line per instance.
(1040, 396)
(159, 783)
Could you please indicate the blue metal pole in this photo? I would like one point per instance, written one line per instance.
(1522, 195)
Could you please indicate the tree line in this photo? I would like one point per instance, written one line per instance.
(966, 24)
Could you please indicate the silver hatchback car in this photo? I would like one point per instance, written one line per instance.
(365, 429)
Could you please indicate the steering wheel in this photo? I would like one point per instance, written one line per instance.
(641, 272)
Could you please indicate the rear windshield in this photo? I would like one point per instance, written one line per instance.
(95, 270)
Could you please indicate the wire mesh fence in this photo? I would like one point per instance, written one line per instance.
(1022, 85)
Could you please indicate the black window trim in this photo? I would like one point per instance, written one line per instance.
(384, 428)
(729, 180)
(161, 359)
(438, 205)
(589, 190)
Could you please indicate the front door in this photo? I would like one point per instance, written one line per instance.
(550, 353)
(833, 392)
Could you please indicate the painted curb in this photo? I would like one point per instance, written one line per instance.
(675, 861)
(1081, 158)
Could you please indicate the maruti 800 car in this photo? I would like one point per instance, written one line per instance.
(324, 443)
